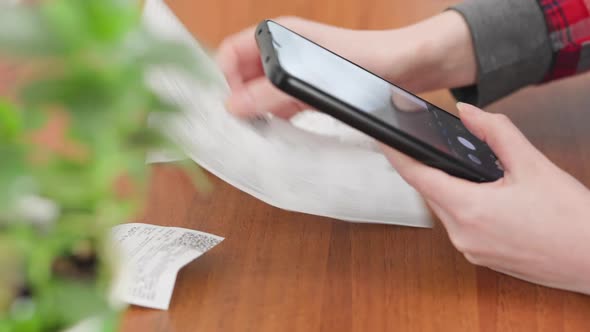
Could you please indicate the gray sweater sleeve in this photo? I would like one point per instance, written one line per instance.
(511, 45)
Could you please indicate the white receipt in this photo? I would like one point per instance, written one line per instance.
(313, 164)
(152, 257)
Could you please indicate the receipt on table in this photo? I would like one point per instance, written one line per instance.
(312, 164)
(151, 258)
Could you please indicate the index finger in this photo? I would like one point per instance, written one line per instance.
(239, 58)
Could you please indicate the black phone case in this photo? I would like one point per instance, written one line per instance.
(358, 119)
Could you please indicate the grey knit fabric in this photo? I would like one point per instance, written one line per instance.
(511, 44)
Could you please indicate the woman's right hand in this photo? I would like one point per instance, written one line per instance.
(435, 53)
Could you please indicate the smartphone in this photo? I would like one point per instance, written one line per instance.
(371, 104)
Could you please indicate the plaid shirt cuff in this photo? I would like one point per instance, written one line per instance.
(568, 26)
(512, 48)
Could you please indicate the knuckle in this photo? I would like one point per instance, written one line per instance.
(225, 42)
(225, 49)
(288, 19)
(468, 215)
(469, 245)
(502, 119)
(459, 243)
(473, 259)
(223, 46)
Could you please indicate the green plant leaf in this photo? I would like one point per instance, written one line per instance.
(110, 20)
(23, 32)
(13, 169)
(93, 60)
(10, 121)
(66, 21)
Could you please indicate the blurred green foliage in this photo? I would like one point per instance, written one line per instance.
(89, 60)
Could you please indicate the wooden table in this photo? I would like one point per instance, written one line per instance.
(284, 271)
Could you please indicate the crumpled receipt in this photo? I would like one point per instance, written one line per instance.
(312, 164)
(151, 257)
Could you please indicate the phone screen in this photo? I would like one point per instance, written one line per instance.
(369, 93)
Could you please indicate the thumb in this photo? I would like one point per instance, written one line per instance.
(502, 136)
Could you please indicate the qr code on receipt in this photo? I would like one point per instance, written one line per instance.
(196, 241)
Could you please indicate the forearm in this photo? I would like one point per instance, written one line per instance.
(490, 49)
(441, 54)
(523, 42)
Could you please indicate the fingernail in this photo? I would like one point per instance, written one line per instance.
(466, 109)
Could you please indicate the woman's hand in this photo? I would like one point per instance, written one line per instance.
(435, 53)
(533, 224)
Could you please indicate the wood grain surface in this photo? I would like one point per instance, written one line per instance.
(285, 271)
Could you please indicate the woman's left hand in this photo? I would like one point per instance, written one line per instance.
(533, 224)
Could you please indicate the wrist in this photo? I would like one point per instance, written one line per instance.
(438, 54)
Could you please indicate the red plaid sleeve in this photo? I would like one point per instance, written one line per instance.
(568, 25)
